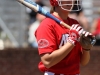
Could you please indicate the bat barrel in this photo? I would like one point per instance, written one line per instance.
(32, 5)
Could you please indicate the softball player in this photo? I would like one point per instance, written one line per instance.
(59, 48)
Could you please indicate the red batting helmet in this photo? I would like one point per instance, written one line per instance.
(54, 2)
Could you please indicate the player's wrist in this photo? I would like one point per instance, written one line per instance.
(86, 49)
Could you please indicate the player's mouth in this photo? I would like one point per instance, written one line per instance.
(67, 6)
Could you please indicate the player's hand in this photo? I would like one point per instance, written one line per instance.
(87, 40)
(74, 33)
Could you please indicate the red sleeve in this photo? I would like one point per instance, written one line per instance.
(45, 36)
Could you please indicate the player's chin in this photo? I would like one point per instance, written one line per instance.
(68, 8)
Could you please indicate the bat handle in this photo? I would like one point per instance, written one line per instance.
(64, 24)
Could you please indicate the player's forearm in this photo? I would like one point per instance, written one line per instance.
(85, 57)
(51, 59)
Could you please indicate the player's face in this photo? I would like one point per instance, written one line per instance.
(66, 4)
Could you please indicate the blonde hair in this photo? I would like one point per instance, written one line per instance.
(52, 9)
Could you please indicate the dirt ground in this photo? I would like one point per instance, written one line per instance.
(24, 61)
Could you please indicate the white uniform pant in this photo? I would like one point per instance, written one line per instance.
(51, 73)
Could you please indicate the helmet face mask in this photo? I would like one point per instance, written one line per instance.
(69, 4)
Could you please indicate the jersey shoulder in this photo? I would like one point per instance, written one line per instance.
(46, 24)
(48, 21)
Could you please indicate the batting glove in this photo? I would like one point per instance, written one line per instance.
(74, 33)
(87, 40)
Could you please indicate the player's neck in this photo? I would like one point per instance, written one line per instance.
(61, 14)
